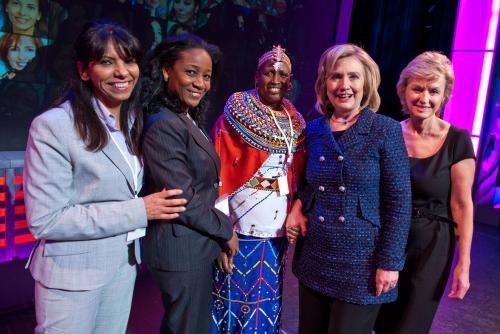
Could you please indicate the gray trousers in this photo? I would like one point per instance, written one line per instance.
(104, 310)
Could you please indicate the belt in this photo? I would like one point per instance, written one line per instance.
(426, 213)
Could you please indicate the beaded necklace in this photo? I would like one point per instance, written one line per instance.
(254, 122)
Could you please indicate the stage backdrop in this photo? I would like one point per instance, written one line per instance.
(488, 172)
(395, 32)
(36, 39)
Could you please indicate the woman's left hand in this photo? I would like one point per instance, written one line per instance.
(461, 282)
(385, 280)
(296, 223)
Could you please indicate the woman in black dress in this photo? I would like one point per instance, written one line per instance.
(442, 173)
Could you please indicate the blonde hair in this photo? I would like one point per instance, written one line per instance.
(428, 66)
(329, 58)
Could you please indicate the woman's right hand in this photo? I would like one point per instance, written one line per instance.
(160, 205)
(233, 246)
(224, 263)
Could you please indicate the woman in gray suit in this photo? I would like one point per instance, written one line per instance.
(82, 176)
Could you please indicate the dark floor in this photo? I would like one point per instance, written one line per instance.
(479, 312)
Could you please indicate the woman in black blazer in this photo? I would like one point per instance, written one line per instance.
(178, 154)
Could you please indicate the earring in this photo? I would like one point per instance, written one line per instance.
(165, 77)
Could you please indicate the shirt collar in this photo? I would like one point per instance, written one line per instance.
(107, 117)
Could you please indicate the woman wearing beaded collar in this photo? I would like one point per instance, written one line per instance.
(259, 138)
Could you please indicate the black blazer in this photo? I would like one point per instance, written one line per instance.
(177, 154)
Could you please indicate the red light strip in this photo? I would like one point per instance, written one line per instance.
(18, 179)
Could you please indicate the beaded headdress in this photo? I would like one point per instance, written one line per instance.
(278, 55)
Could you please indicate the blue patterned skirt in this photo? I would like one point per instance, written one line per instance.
(249, 300)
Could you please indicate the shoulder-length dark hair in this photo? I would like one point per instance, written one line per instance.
(8, 40)
(90, 46)
(154, 90)
(41, 25)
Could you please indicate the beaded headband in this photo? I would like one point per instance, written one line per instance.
(278, 55)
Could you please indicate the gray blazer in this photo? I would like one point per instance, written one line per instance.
(79, 205)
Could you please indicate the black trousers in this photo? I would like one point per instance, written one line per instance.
(322, 314)
(187, 300)
(431, 244)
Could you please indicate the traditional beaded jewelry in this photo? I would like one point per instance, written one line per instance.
(278, 55)
(253, 121)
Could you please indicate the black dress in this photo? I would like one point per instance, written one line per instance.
(431, 242)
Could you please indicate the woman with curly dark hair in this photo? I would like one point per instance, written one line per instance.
(178, 154)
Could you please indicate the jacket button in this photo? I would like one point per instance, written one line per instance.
(321, 219)
(321, 188)
(342, 189)
(321, 158)
(340, 158)
(341, 219)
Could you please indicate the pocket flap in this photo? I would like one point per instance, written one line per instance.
(61, 248)
(369, 210)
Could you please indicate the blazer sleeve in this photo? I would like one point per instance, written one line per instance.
(48, 189)
(166, 159)
(304, 191)
(395, 200)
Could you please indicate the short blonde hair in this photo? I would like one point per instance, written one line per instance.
(327, 62)
(428, 66)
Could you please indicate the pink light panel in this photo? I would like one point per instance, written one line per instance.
(472, 58)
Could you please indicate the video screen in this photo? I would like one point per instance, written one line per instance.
(36, 40)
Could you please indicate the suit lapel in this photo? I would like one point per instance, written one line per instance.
(356, 133)
(113, 154)
(202, 140)
(328, 139)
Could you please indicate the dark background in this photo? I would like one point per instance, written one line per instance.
(393, 32)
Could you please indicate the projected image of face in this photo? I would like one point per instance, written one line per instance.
(152, 3)
(21, 53)
(23, 15)
(280, 6)
(184, 10)
(153, 7)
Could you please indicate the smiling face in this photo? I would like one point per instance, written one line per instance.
(23, 14)
(152, 3)
(113, 78)
(272, 83)
(21, 53)
(190, 77)
(424, 97)
(344, 85)
(184, 10)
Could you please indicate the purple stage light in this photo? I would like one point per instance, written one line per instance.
(472, 57)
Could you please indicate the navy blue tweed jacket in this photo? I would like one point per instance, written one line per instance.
(358, 201)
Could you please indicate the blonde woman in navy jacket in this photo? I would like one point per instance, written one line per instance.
(356, 200)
